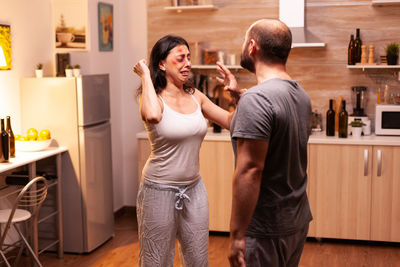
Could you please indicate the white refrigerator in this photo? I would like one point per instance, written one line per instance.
(77, 113)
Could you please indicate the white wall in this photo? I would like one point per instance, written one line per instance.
(134, 47)
(31, 37)
(30, 44)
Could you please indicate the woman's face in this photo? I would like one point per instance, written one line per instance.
(177, 65)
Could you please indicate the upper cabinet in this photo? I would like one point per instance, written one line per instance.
(385, 2)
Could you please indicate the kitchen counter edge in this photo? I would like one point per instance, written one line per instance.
(314, 139)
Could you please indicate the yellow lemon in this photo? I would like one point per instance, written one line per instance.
(32, 134)
(44, 134)
(23, 138)
(18, 137)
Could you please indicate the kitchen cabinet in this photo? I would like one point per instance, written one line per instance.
(342, 190)
(357, 191)
(143, 155)
(217, 165)
(311, 197)
(385, 206)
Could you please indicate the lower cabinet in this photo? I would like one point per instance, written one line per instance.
(217, 165)
(143, 154)
(385, 206)
(341, 191)
(311, 198)
(355, 191)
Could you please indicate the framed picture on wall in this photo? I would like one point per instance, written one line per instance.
(70, 25)
(105, 26)
(5, 43)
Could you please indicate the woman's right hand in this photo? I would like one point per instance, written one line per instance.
(141, 68)
(229, 81)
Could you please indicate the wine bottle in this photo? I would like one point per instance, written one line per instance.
(1, 149)
(11, 136)
(357, 47)
(330, 120)
(5, 142)
(351, 51)
(343, 118)
(216, 127)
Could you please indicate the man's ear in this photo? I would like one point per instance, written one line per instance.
(252, 47)
(162, 65)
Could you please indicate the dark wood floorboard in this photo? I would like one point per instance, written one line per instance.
(122, 250)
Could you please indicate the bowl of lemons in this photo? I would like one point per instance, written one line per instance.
(33, 141)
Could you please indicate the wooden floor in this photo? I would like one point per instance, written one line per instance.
(122, 250)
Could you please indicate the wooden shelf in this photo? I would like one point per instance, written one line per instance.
(363, 67)
(385, 2)
(194, 7)
(214, 67)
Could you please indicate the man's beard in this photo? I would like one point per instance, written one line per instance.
(246, 61)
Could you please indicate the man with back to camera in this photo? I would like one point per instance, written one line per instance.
(270, 130)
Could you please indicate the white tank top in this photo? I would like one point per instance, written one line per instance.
(175, 144)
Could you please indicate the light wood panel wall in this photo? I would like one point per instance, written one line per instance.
(321, 71)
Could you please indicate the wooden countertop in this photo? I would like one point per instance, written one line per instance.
(315, 138)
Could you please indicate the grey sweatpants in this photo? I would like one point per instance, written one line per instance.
(167, 212)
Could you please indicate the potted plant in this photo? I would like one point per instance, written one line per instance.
(68, 71)
(39, 70)
(77, 70)
(356, 127)
(392, 53)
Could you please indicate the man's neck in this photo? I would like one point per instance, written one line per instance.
(266, 72)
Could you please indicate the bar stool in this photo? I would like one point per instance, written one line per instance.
(25, 210)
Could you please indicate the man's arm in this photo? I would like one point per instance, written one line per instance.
(251, 155)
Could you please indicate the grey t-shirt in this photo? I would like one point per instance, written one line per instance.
(277, 111)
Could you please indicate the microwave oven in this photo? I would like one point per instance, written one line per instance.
(387, 120)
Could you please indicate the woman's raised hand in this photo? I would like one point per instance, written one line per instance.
(141, 68)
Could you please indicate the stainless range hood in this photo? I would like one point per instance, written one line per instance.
(291, 12)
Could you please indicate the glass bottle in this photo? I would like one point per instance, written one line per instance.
(351, 51)
(1, 150)
(357, 47)
(343, 120)
(5, 142)
(330, 120)
(11, 136)
(216, 127)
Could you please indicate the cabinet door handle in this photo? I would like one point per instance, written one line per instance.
(379, 154)
(365, 162)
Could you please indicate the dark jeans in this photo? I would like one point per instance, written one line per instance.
(275, 252)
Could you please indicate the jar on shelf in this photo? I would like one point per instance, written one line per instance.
(209, 56)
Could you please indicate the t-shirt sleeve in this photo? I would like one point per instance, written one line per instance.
(254, 117)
